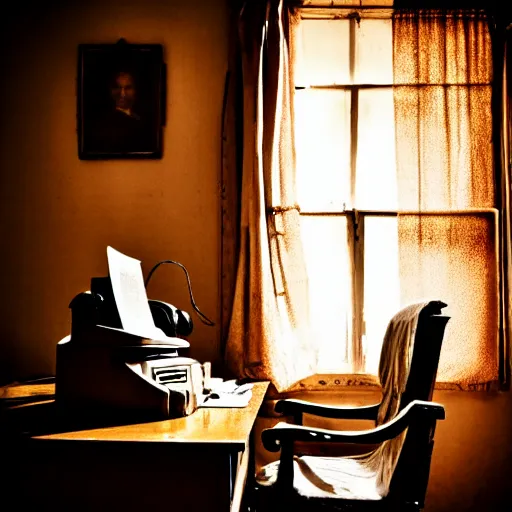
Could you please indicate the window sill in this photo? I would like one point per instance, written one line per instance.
(347, 390)
(359, 385)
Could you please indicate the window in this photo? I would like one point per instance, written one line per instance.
(364, 260)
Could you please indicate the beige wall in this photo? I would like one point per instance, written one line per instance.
(472, 461)
(58, 214)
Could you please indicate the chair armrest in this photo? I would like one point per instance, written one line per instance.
(292, 407)
(418, 409)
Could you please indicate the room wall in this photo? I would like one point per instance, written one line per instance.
(472, 458)
(58, 214)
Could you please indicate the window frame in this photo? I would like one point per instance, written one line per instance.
(356, 217)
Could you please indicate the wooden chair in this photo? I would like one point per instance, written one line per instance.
(416, 417)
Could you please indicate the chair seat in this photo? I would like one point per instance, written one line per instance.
(328, 477)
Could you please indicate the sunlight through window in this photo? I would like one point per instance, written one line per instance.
(395, 184)
(345, 159)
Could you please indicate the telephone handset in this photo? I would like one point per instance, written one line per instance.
(174, 322)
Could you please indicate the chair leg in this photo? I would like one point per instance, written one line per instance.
(251, 497)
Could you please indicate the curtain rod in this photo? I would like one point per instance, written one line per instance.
(338, 7)
(383, 8)
(394, 213)
(346, 87)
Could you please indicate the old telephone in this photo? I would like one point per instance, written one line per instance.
(105, 368)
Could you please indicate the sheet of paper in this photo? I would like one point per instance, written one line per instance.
(131, 299)
(228, 394)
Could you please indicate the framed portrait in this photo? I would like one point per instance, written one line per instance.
(121, 100)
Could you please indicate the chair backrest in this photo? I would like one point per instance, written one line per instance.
(426, 352)
(411, 474)
(403, 343)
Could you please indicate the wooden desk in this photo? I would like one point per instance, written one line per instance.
(194, 463)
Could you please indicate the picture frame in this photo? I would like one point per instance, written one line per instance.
(121, 101)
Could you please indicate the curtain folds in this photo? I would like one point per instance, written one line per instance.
(454, 225)
(268, 333)
(506, 203)
(443, 74)
(443, 78)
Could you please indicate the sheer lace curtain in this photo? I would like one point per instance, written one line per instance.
(449, 241)
(268, 333)
(506, 200)
(295, 279)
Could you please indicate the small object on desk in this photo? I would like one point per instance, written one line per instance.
(207, 376)
(228, 394)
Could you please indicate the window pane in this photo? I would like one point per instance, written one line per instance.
(374, 52)
(445, 152)
(453, 258)
(327, 262)
(381, 284)
(323, 53)
(376, 183)
(322, 131)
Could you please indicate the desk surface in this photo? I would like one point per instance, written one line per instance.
(199, 462)
(223, 426)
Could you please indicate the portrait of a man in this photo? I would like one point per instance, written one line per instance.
(120, 101)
